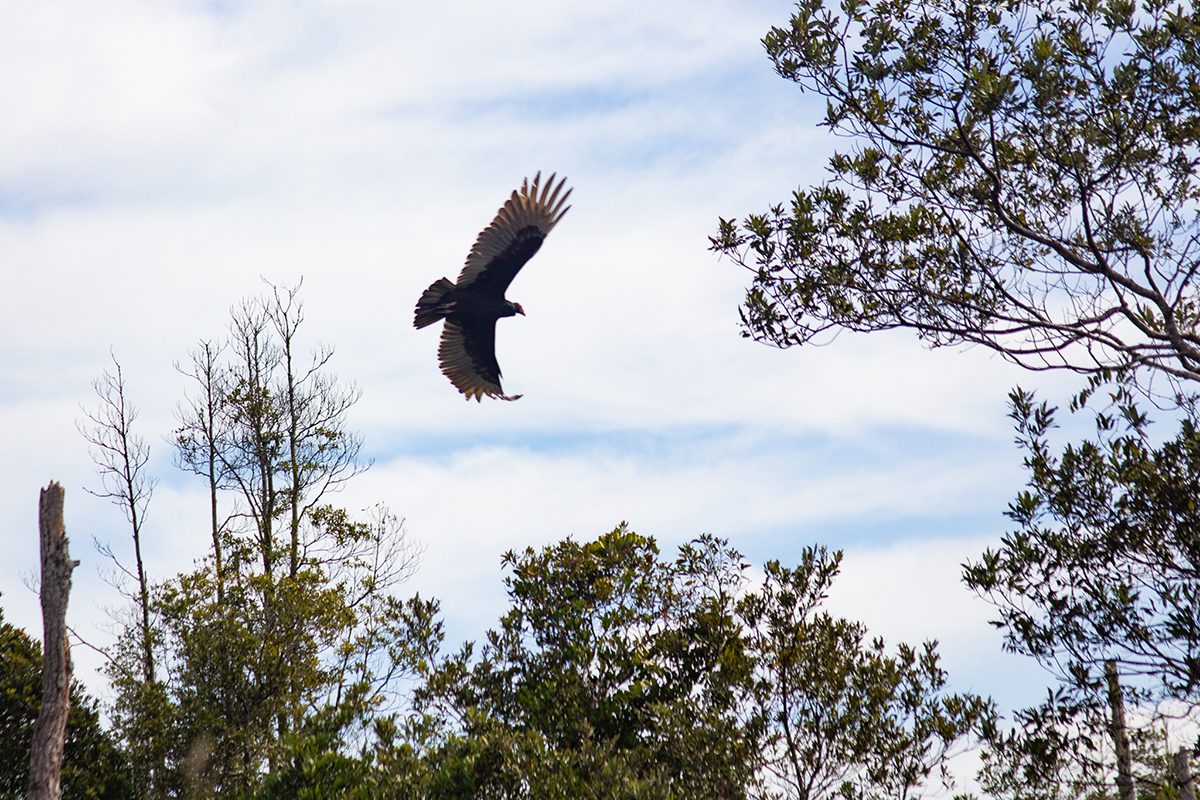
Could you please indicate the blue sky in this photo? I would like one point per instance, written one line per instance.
(159, 159)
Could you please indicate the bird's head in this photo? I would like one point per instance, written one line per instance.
(517, 308)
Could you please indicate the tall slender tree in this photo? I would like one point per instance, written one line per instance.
(120, 456)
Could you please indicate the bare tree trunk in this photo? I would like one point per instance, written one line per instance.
(1120, 733)
(218, 561)
(285, 324)
(199, 439)
(143, 599)
(50, 730)
(1182, 773)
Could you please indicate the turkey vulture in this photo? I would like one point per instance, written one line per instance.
(471, 306)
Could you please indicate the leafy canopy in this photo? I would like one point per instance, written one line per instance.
(1100, 578)
(1020, 175)
(618, 672)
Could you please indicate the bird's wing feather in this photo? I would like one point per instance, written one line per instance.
(467, 356)
(515, 234)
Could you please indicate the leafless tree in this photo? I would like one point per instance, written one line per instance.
(121, 456)
(1119, 731)
(1181, 773)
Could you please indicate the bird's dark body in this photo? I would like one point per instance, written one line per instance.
(482, 299)
(472, 305)
(446, 301)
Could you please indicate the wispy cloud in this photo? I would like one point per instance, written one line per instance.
(157, 160)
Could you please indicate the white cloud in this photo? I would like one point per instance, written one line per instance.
(156, 159)
(912, 592)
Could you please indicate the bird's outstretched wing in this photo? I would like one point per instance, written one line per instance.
(467, 356)
(514, 235)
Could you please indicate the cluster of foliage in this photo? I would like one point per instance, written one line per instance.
(94, 765)
(290, 613)
(616, 673)
(1105, 564)
(1101, 577)
(1021, 175)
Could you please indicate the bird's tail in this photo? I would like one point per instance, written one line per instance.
(434, 304)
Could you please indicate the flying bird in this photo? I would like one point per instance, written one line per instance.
(472, 304)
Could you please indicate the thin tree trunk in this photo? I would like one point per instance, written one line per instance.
(198, 448)
(1120, 733)
(218, 562)
(210, 433)
(281, 314)
(143, 590)
(50, 730)
(295, 489)
(1181, 769)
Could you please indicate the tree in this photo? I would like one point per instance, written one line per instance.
(1021, 175)
(617, 673)
(316, 762)
(611, 669)
(844, 718)
(1100, 582)
(285, 443)
(289, 614)
(1058, 750)
(120, 456)
(93, 765)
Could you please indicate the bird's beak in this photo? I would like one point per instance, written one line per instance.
(520, 311)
